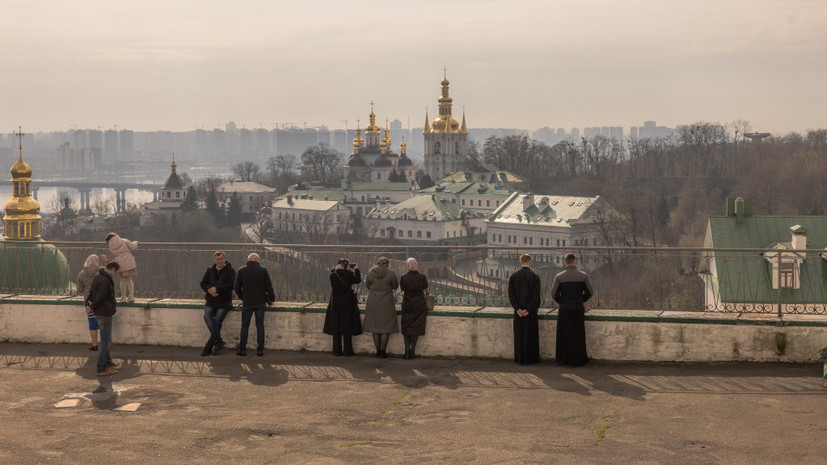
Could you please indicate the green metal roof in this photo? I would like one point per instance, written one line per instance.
(745, 277)
(424, 208)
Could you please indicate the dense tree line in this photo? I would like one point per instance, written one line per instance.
(666, 188)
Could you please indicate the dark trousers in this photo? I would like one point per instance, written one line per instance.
(105, 324)
(337, 343)
(246, 314)
(214, 317)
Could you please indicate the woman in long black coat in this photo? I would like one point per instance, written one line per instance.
(413, 285)
(342, 317)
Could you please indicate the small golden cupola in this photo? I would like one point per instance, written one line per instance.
(22, 211)
(445, 122)
(358, 142)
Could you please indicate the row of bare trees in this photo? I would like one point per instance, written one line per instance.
(667, 188)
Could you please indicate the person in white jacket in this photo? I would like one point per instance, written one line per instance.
(122, 250)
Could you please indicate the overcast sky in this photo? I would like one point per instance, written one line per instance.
(180, 64)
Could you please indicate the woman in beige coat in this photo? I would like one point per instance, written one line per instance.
(380, 308)
(122, 253)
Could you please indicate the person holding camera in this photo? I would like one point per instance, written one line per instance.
(342, 317)
(380, 308)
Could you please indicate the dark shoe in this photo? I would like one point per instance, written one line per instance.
(407, 355)
(383, 354)
(337, 354)
(108, 371)
(241, 352)
(207, 351)
(218, 347)
(349, 354)
(411, 356)
(94, 348)
(260, 352)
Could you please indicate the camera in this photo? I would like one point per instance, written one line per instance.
(353, 265)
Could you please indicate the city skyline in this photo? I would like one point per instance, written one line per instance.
(519, 64)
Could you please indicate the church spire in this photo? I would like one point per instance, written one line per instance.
(427, 128)
(22, 211)
(463, 128)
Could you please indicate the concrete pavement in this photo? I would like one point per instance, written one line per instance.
(299, 407)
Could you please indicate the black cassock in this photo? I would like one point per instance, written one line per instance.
(524, 293)
(571, 289)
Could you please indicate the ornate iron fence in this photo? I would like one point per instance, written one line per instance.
(643, 278)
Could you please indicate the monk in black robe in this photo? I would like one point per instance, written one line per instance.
(524, 295)
(571, 289)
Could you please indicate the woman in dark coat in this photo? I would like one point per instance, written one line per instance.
(342, 317)
(413, 285)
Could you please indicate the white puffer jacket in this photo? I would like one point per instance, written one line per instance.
(122, 250)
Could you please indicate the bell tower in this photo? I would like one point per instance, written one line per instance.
(445, 139)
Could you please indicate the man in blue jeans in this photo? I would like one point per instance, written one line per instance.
(101, 300)
(254, 288)
(217, 283)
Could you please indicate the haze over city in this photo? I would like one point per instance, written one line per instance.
(519, 64)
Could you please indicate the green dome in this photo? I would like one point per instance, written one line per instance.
(33, 267)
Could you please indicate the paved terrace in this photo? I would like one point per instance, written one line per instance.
(168, 405)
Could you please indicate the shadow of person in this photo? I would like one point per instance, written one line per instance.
(613, 385)
(265, 374)
(230, 366)
(104, 396)
(561, 378)
(595, 377)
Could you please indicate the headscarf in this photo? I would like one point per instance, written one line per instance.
(92, 260)
(383, 261)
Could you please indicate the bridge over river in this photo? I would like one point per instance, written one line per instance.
(84, 187)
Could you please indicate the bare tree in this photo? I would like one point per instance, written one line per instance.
(247, 171)
(102, 207)
(322, 164)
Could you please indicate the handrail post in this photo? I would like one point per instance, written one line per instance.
(780, 257)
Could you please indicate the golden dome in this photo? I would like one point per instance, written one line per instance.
(372, 128)
(22, 208)
(21, 169)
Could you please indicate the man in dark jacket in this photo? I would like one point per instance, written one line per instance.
(524, 295)
(254, 288)
(217, 283)
(571, 289)
(101, 300)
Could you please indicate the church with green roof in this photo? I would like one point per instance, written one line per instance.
(28, 265)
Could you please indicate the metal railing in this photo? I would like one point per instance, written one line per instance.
(642, 278)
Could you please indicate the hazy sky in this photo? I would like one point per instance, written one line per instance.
(179, 64)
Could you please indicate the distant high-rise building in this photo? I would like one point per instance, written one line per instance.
(245, 139)
(218, 143)
(111, 148)
(397, 133)
(575, 133)
(262, 142)
(127, 141)
(633, 132)
(340, 141)
(323, 135)
(80, 139)
(616, 132)
(231, 127)
(96, 139)
(65, 157)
